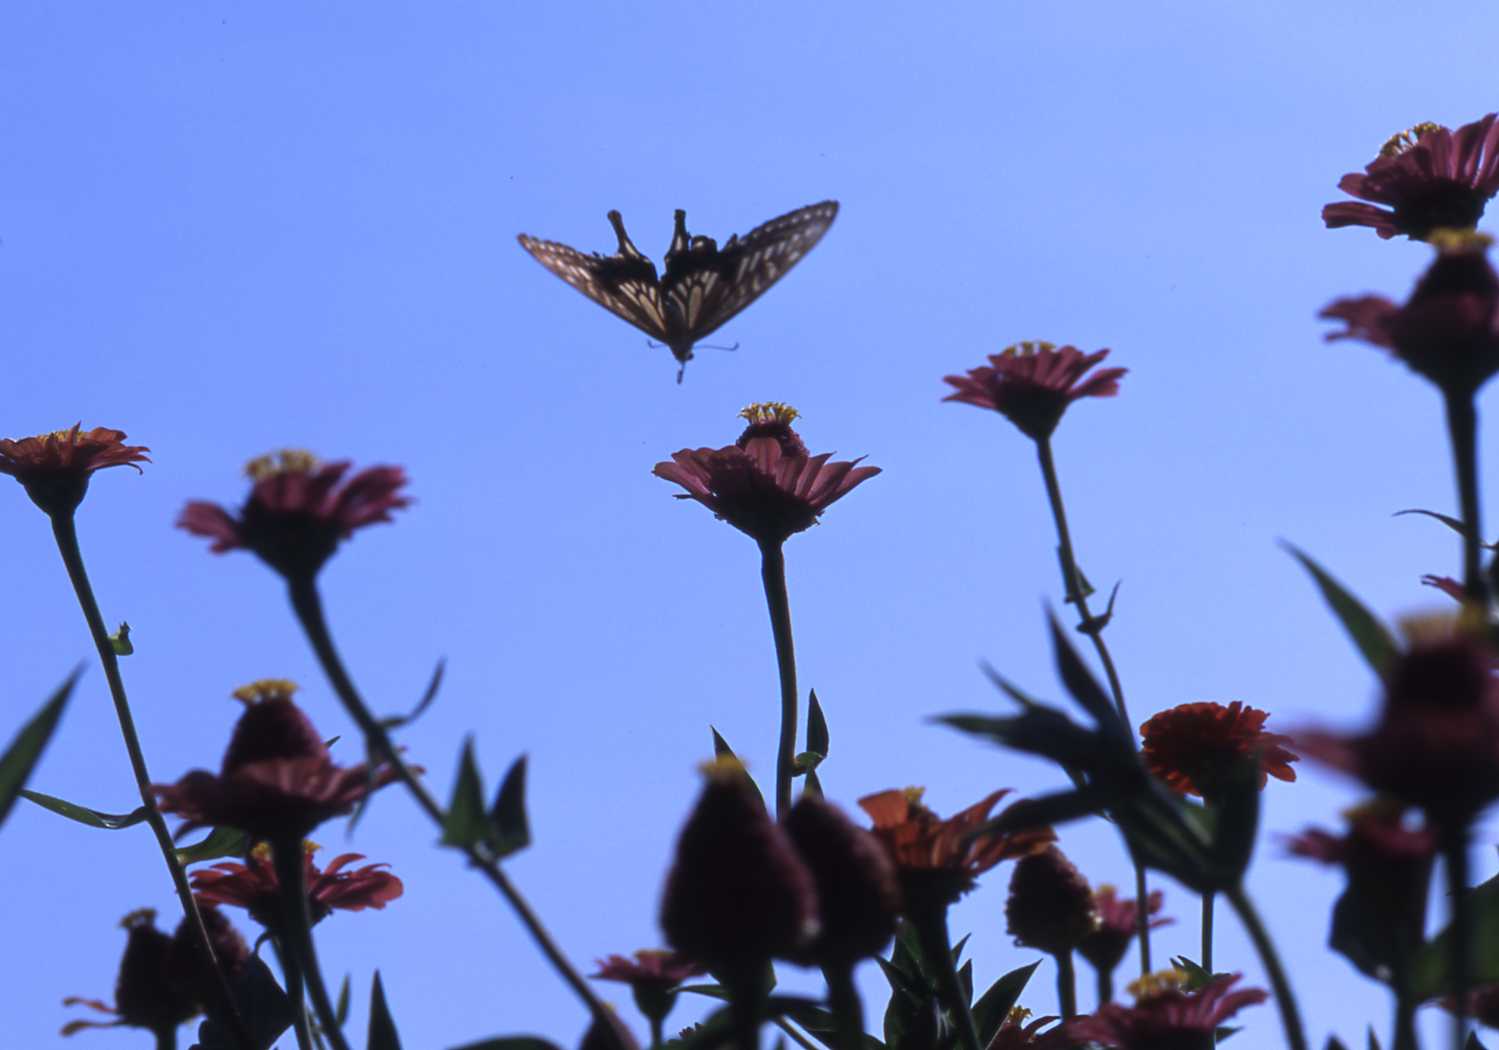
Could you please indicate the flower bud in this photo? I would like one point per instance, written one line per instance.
(1051, 904)
(856, 882)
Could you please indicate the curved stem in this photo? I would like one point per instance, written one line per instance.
(66, 534)
(773, 574)
(847, 1009)
(1455, 859)
(1066, 985)
(1462, 428)
(291, 881)
(308, 605)
(291, 976)
(936, 946)
(1285, 999)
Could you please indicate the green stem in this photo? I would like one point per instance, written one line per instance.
(166, 1039)
(1105, 988)
(1142, 916)
(291, 976)
(936, 945)
(308, 605)
(1405, 1007)
(796, 1037)
(1207, 945)
(1285, 998)
(847, 1009)
(291, 879)
(1454, 841)
(658, 1032)
(1462, 428)
(773, 574)
(66, 535)
(1066, 985)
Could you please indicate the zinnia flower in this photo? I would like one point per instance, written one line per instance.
(1015, 1034)
(1429, 178)
(298, 512)
(1117, 927)
(765, 484)
(1051, 904)
(1192, 747)
(939, 860)
(1166, 1017)
(1032, 383)
(1448, 330)
(55, 468)
(186, 963)
(856, 882)
(277, 780)
(254, 886)
(653, 976)
(146, 994)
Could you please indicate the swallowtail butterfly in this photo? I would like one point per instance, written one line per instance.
(703, 286)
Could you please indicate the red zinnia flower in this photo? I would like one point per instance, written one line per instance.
(254, 886)
(55, 468)
(297, 512)
(1117, 927)
(765, 484)
(939, 860)
(1448, 330)
(650, 966)
(1032, 383)
(1051, 904)
(146, 994)
(1166, 1017)
(1430, 177)
(277, 781)
(1015, 1034)
(1192, 746)
(1447, 585)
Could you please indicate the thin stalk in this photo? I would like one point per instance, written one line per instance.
(291, 880)
(166, 1039)
(847, 1009)
(1455, 859)
(1142, 917)
(1462, 428)
(796, 1036)
(65, 533)
(1405, 1004)
(1105, 987)
(658, 1031)
(773, 574)
(936, 945)
(291, 976)
(1207, 945)
(308, 605)
(1066, 985)
(1285, 998)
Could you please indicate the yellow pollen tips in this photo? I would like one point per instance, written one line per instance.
(265, 689)
(1398, 143)
(261, 852)
(1027, 348)
(1018, 1015)
(1455, 241)
(287, 461)
(139, 917)
(1106, 889)
(769, 412)
(914, 795)
(722, 767)
(309, 847)
(1153, 984)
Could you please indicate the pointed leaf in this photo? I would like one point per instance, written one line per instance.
(1007, 687)
(120, 640)
(817, 727)
(511, 829)
(1334, 1043)
(511, 1042)
(396, 721)
(1473, 1043)
(1059, 807)
(1452, 523)
(721, 749)
(994, 1005)
(813, 786)
(1080, 681)
(221, 842)
(263, 1006)
(1373, 1039)
(341, 1009)
(26, 749)
(382, 1029)
(82, 814)
(1373, 639)
(821, 1025)
(465, 824)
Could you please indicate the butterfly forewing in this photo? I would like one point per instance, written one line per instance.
(624, 286)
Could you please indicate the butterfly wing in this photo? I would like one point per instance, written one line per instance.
(705, 286)
(625, 285)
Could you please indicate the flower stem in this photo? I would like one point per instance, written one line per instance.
(65, 533)
(308, 605)
(1285, 998)
(658, 1031)
(773, 574)
(1105, 988)
(296, 992)
(796, 1037)
(1454, 840)
(1462, 428)
(1066, 985)
(847, 1009)
(166, 1039)
(936, 946)
(291, 880)
(1142, 916)
(1207, 946)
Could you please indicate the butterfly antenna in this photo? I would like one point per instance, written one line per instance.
(710, 346)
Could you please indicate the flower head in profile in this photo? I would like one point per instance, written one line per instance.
(1118, 919)
(299, 510)
(653, 976)
(1166, 1016)
(1051, 905)
(253, 885)
(278, 780)
(55, 468)
(1032, 383)
(940, 860)
(857, 886)
(146, 994)
(766, 484)
(1194, 747)
(1019, 1032)
(1426, 178)
(1448, 330)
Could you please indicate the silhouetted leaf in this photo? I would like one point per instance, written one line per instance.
(1431, 975)
(120, 641)
(341, 1009)
(511, 1042)
(263, 1006)
(26, 749)
(382, 1028)
(1372, 637)
(82, 814)
(465, 824)
(1237, 807)
(994, 1005)
(813, 786)
(221, 842)
(817, 727)
(510, 828)
(1057, 808)
(397, 721)
(821, 1025)
(1452, 523)
(1081, 683)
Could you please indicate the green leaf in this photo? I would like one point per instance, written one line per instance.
(1334, 1043)
(397, 721)
(1236, 803)
(1059, 807)
(1197, 977)
(1452, 523)
(382, 1029)
(82, 814)
(1081, 683)
(817, 727)
(823, 1026)
(120, 640)
(994, 1005)
(1373, 639)
(511, 1042)
(263, 1006)
(805, 762)
(26, 749)
(813, 786)
(221, 842)
(465, 824)
(510, 829)
(341, 1009)
(1430, 976)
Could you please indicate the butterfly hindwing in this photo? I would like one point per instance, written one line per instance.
(624, 285)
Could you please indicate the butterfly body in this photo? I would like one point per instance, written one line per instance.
(702, 285)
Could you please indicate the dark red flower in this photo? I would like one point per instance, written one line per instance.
(1428, 177)
(939, 860)
(1192, 747)
(1448, 330)
(55, 468)
(737, 894)
(1167, 1017)
(277, 781)
(1104, 948)
(1032, 383)
(856, 882)
(1483, 1004)
(1435, 745)
(146, 995)
(765, 484)
(1447, 585)
(653, 977)
(254, 886)
(187, 965)
(298, 513)
(1015, 1034)
(1051, 904)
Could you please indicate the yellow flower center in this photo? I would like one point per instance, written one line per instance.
(1153, 984)
(1399, 143)
(287, 461)
(721, 767)
(1453, 241)
(769, 412)
(1018, 1015)
(1027, 348)
(265, 689)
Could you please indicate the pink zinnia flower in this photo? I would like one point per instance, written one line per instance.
(1166, 1017)
(1016, 1034)
(1428, 178)
(55, 468)
(298, 512)
(1032, 383)
(1192, 746)
(1104, 948)
(765, 484)
(254, 886)
(650, 966)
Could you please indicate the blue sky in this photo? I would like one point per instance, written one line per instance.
(228, 230)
